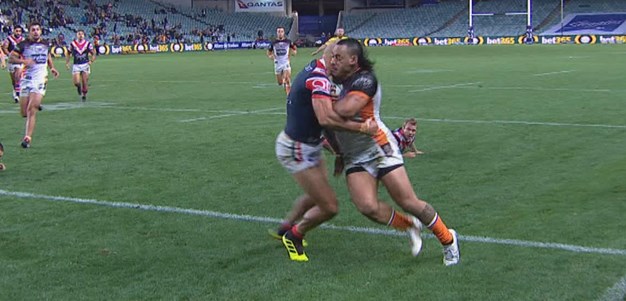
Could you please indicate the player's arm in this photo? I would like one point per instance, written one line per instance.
(270, 52)
(68, 54)
(5, 47)
(93, 53)
(359, 95)
(294, 49)
(16, 58)
(51, 66)
(3, 63)
(328, 118)
(320, 49)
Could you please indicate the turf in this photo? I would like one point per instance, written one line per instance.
(522, 143)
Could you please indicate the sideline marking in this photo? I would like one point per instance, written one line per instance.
(444, 87)
(617, 292)
(553, 73)
(265, 219)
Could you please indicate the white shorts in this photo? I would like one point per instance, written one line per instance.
(33, 86)
(281, 67)
(11, 67)
(297, 156)
(377, 167)
(81, 68)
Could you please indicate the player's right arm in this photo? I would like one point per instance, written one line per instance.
(270, 51)
(5, 47)
(326, 115)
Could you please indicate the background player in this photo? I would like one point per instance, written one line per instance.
(279, 51)
(339, 35)
(405, 136)
(33, 53)
(15, 70)
(84, 55)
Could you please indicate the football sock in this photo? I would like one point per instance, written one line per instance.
(440, 230)
(399, 221)
(296, 233)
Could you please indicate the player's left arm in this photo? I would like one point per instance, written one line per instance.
(92, 51)
(294, 49)
(360, 94)
(3, 63)
(51, 66)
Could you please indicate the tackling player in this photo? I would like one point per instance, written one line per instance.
(15, 70)
(405, 136)
(84, 55)
(299, 150)
(279, 51)
(33, 53)
(369, 160)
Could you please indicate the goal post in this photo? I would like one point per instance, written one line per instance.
(529, 35)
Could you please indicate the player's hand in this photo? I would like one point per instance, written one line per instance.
(339, 165)
(410, 155)
(418, 152)
(370, 127)
(3, 65)
(67, 66)
(54, 72)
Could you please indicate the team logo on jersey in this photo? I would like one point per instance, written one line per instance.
(318, 84)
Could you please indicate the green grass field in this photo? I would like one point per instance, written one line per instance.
(163, 184)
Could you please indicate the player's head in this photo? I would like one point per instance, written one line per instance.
(409, 129)
(280, 32)
(339, 32)
(80, 34)
(17, 31)
(348, 57)
(34, 30)
(328, 54)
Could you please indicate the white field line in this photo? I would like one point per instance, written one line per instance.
(553, 73)
(541, 89)
(257, 112)
(265, 219)
(444, 87)
(617, 292)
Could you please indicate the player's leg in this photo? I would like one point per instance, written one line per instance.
(287, 79)
(17, 89)
(397, 183)
(84, 77)
(32, 107)
(300, 206)
(314, 182)
(76, 80)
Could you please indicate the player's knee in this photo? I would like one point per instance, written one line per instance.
(367, 207)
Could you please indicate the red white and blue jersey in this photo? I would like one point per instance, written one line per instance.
(311, 83)
(80, 51)
(11, 41)
(403, 142)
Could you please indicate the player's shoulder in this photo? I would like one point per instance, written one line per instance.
(364, 79)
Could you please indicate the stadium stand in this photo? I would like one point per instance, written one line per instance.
(143, 21)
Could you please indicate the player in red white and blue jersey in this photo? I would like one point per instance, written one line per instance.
(84, 55)
(15, 70)
(405, 136)
(299, 150)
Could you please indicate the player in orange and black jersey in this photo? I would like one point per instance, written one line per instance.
(279, 51)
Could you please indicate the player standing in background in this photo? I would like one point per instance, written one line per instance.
(370, 159)
(405, 136)
(299, 150)
(33, 53)
(279, 51)
(339, 35)
(81, 49)
(15, 70)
